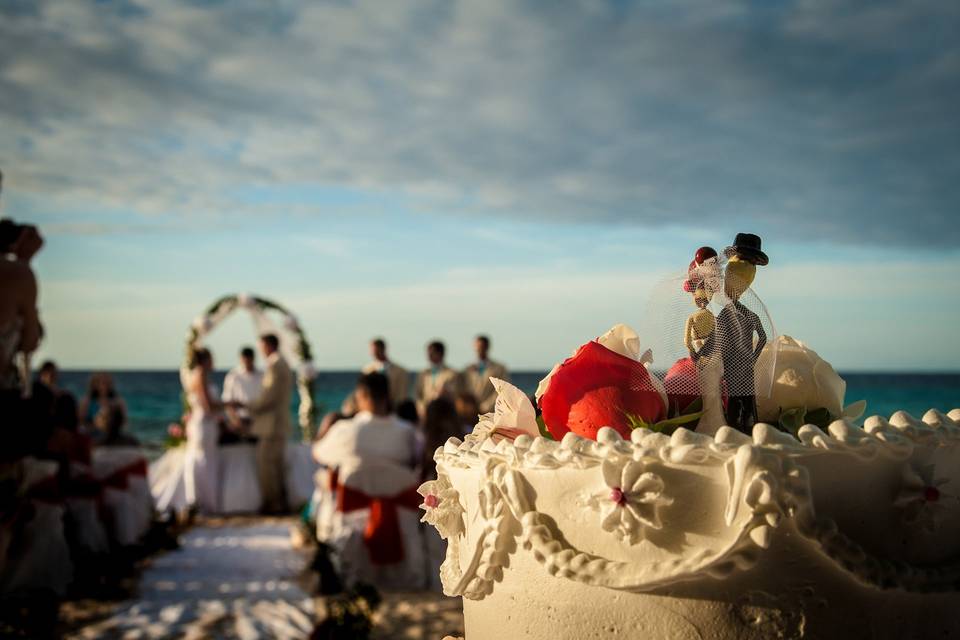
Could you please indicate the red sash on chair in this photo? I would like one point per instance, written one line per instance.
(382, 535)
(120, 478)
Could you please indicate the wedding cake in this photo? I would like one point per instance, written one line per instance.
(609, 516)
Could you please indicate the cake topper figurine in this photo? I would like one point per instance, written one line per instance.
(703, 277)
(736, 326)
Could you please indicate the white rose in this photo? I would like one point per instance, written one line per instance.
(798, 378)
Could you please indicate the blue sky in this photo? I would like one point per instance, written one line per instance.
(435, 169)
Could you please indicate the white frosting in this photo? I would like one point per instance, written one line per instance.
(729, 536)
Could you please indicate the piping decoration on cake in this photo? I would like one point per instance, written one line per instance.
(767, 483)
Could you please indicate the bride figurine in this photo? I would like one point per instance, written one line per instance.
(702, 281)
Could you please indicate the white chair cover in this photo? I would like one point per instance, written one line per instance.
(377, 478)
(239, 488)
(130, 509)
(42, 560)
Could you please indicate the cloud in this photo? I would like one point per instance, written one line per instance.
(828, 120)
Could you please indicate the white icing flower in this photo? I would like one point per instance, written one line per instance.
(633, 500)
(922, 498)
(798, 378)
(441, 507)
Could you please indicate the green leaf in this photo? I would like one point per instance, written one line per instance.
(542, 427)
(635, 421)
(686, 418)
(792, 419)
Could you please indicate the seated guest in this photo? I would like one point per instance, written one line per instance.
(66, 442)
(476, 377)
(372, 433)
(397, 376)
(110, 429)
(468, 412)
(407, 410)
(440, 423)
(100, 400)
(242, 385)
(49, 376)
(437, 380)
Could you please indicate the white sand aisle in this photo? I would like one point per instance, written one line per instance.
(225, 582)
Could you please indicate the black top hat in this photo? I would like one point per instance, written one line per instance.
(747, 246)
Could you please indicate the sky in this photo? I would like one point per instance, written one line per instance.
(435, 169)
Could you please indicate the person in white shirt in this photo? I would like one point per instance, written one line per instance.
(372, 433)
(476, 377)
(436, 381)
(397, 376)
(242, 385)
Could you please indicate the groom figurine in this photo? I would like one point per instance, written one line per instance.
(271, 425)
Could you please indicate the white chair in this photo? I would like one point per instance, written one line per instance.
(239, 487)
(83, 507)
(126, 494)
(374, 525)
(42, 558)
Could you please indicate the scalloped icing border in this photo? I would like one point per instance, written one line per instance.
(765, 458)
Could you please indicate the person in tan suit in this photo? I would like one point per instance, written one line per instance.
(438, 380)
(476, 377)
(271, 424)
(397, 377)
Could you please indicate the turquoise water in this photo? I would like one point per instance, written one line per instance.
(153, 397)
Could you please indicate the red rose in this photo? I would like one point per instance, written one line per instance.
(683, 386)
(597, 388)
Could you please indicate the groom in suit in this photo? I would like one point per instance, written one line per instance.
(271, 425)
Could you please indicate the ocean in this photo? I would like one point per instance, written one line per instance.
(154, 397)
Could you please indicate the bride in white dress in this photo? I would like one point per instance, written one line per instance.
(202, 472)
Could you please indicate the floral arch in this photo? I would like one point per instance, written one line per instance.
(293, 343)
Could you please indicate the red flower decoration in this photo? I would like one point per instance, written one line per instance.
(683, 386)
(597, 388)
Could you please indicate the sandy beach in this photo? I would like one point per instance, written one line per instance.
(242, 578)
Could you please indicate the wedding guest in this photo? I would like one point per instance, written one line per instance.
(49, 376)
(476, 377)
(66, 442)
(110, 429)
(436, 381)
(407, 410)
(440, 423)
(468, 412)
(20, 329)
(372, 433)
(101, 398)
(242, 385)
(397, 376)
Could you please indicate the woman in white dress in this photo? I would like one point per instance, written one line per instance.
(202, 473)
